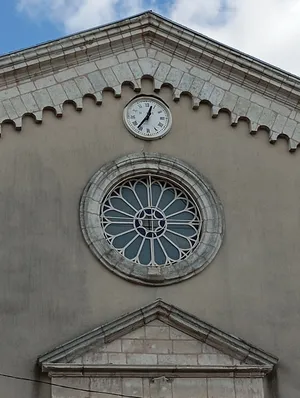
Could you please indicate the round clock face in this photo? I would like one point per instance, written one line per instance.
(147, 118)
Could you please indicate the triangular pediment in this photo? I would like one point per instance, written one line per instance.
(158, 335)
(149, 45)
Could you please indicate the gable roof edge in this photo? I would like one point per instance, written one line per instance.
(171, 315)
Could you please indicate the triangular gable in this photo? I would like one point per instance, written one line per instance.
(158, 335)
(48, 75)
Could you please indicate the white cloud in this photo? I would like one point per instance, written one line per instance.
(266, 29)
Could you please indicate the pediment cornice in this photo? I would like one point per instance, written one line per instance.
(152, 29)
(253, 359)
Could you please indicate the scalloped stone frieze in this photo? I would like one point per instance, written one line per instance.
(92, 78)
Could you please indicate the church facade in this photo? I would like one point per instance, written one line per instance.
(149, 231)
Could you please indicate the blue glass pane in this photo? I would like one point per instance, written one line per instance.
(115, 229)
(122, 240)
(179, 241)
(176, 206)
(145, 254)
(141, 191)
(155, 192)
(182, 229)
(133, 248)
(119, 204)
(159, 255)
(166, 198)
(171, 250)
(130, 197)
(114, 215)
(183, 215)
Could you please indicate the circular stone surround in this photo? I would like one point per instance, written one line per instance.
(179, 174)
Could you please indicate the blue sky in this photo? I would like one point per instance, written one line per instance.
(266, 29)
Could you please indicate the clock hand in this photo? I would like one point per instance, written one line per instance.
(146, 117)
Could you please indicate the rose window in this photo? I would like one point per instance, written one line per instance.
(151, 221)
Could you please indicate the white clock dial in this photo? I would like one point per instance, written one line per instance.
(147, 117)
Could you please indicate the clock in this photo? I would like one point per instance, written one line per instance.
(147, 117)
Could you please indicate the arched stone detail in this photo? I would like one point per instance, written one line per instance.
(109, 73)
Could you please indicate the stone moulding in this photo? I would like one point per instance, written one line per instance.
(207, 201)
(259, 363)
(148, 45)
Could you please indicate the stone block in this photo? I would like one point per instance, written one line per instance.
(71, 89)
(141, 359)
(9, 93)
(133, 346)
(162, 71)
(151, 52)
(214, 359)
(9, 109)
(157, 332)
(158, 347)
(57, 94)
(123, 72)
(135, 69)
(279, 124)
(107, 62)
(81, 383)
(84, 85)
(178, 335)
(187, 347)
(162, 57)
(117, 358)
(177, 359)
(160, 387)
(260, 100)
(127, 56)
(64, 75)
(216, 96)
(206, 90)
(196, 87)
(135, 334)
(186, 82)
(86, 68)
(289, 127)
(229, 101)
(240, 91)
(249, 388)
(220, 83)
(114, 346)
(267, 118)
(42, 98)
(203, 74)
(29, 102)
(97, 80)
(189, 388)
(3, 113)
(109, 77)
(281, 109)
(26, 88)
(45, 82)
(106, 386)
(132, 387)
(19, 106)
(95, 358)
(148, 66)
(141, 52)
(242, 106)
(174, 76)
(254, 112)
(220, 388)
(181, 65)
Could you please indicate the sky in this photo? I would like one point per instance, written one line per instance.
(266, 29)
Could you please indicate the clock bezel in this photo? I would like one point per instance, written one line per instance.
(142, 136)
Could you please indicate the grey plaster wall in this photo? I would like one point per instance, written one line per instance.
(53, 289)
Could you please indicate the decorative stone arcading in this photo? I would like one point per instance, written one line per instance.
(131, 66)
